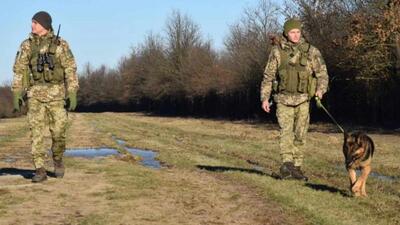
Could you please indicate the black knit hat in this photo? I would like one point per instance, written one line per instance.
(44, 19)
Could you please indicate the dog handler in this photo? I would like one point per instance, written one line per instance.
(298, 72)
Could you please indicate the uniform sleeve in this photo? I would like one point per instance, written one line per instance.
(269, 74)
(68, 63)
(21, 67)
(320, 71)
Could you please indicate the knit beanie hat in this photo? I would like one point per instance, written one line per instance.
(44, 19)
(290, 25)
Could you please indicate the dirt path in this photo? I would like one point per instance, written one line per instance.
(112, 191)
(14, 141)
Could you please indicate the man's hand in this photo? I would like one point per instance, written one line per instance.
(319, 94)
(71, 101)
(17, 101)
(265, 106)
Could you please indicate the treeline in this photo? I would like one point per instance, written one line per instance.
(179, 72)
(360, 41)
(5, 101)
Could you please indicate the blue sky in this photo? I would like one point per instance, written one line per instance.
(103, 31)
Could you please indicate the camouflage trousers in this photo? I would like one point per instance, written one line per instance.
(41, 114)
(293, 122)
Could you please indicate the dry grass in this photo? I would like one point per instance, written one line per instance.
(113, 191)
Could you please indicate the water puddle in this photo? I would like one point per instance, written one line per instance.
(119, 141)
(374, 174)
(91, 153)
(383, 177)
(147, 157)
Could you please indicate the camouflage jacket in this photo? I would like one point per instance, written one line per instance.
(315, 65)
(44, 92)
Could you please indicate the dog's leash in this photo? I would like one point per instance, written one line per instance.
(319, 105)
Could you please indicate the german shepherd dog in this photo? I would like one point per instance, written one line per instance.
(358, 150)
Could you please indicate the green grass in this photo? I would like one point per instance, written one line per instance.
(189, 142)
(184, 143)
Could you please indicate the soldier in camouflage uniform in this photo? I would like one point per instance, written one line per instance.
(297, 72)
(45, 71)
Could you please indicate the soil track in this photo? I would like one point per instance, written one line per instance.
(112, 191)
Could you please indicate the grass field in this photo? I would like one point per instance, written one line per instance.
(214, 172)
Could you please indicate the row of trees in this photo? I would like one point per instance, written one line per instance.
(179, 73)
(5, 101)
(361, 44)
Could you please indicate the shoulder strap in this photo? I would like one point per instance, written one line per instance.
(34, 48)
(284, 56)
(305, 48)
(55, 42)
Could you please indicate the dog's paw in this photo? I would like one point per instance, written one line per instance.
(357, 194)
(356, 188)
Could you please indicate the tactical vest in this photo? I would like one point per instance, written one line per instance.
(43, 71)
(293, 76)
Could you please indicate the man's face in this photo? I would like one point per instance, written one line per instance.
(38, 29)
(294, 35)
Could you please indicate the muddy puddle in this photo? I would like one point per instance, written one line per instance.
(379, 176)
(376, 175)
(384, 177)
(91, 153)
(147, 157)
(120, 142)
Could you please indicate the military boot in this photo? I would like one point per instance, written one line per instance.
(59, 168)
(40, 175)
(298, 174)
(286, 170)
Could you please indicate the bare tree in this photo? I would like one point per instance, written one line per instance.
(248, 43)
(182, 35)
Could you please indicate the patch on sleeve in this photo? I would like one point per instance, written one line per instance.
(17, 56)
(70, 52)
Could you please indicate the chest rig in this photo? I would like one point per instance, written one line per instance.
(44, 66)
(293, 76)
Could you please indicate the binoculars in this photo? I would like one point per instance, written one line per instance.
(44, 59)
